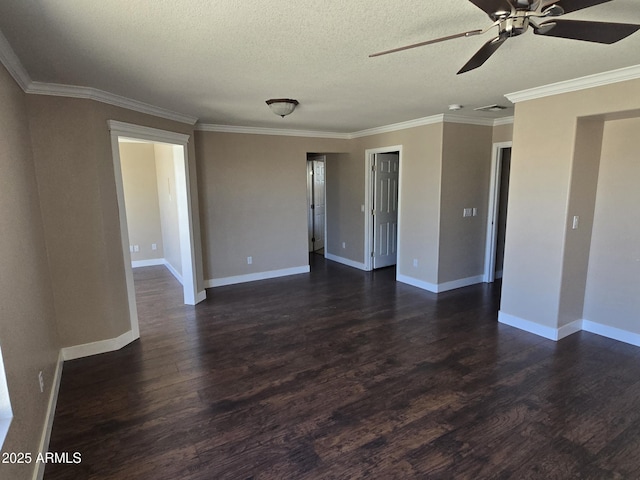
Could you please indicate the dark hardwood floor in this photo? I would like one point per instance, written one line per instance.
(342, 374)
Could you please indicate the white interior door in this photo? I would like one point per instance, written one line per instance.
(385, 209)
(318, 204)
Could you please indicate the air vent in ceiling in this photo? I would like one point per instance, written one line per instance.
(490, 108)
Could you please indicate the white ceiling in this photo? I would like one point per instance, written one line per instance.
(219, 60)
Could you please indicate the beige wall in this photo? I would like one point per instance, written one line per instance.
(28, 334)
(502, 133)
(420, 173)
(343, 206)
(613, 281)
(253, 196)
(141, 199)
(539, 217)
(74, 167)
(466, 171)
(168, 204)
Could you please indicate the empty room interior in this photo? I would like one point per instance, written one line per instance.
(307, 240)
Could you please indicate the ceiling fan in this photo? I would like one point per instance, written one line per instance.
(514, 17)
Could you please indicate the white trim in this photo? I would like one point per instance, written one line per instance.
(101, 346)
(179, 143)
(12, 63)
(90, 93)
(482, 121)
(611, 332)
(368, 193)
(175, 273)
(345, 261)
(460, 283)
(209, 127)
(439, 287)
(137, 132)
(503, 121)
(152, 262)
(590, 81)
(551, 333)
(38, 473)
(201, 296)
(528, 326)
(124, 236)
(252, 277)
(430, 287)
(493, 209)
(418, 122)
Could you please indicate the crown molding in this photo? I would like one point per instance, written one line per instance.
(129, 130)
(503, 121)
(418, 122)
(210, 127)
(12, 63)
(582, 83)
(486, 122)
(59, 90)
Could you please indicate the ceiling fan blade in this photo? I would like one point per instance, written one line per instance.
(484, 53)
(492, 6)
(597, 32)
(429, 42)
(574, 5)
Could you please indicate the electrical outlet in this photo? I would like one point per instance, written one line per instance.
(131, 248)
(475, 212)
(154, 246)
(249, 260)
(344, 244)
(41, 381)
(415, 263)
(136, 248)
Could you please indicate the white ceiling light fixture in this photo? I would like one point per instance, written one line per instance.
(455, 106)
(282, 106)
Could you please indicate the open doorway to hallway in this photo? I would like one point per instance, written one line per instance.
(316, 200)
(497, 219)
(172, 147)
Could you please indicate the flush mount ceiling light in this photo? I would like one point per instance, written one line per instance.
(282, 106)
(455, 106)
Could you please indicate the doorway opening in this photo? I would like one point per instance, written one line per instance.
(382, 205)
(316, 200)
(498, 204)
(175, 148)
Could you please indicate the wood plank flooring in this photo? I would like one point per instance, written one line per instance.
(342, 374)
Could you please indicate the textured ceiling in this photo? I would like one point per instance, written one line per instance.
(219, 60)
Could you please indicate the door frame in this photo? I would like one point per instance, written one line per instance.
(183, 194)
(494, 205)
(320, 157)
(368, 203)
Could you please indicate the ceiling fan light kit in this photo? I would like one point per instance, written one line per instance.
(282, 106)
(514, 17)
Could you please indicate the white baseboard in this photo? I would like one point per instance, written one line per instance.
(252, 277)
(201, 296)
(173, 271)
(431, 287)
(528, 326)
(440, 287)
(95, 348)
(569, 329)
(463, 282)
(38, 473)
(611, 332)
(152, 262)
(345, 261)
